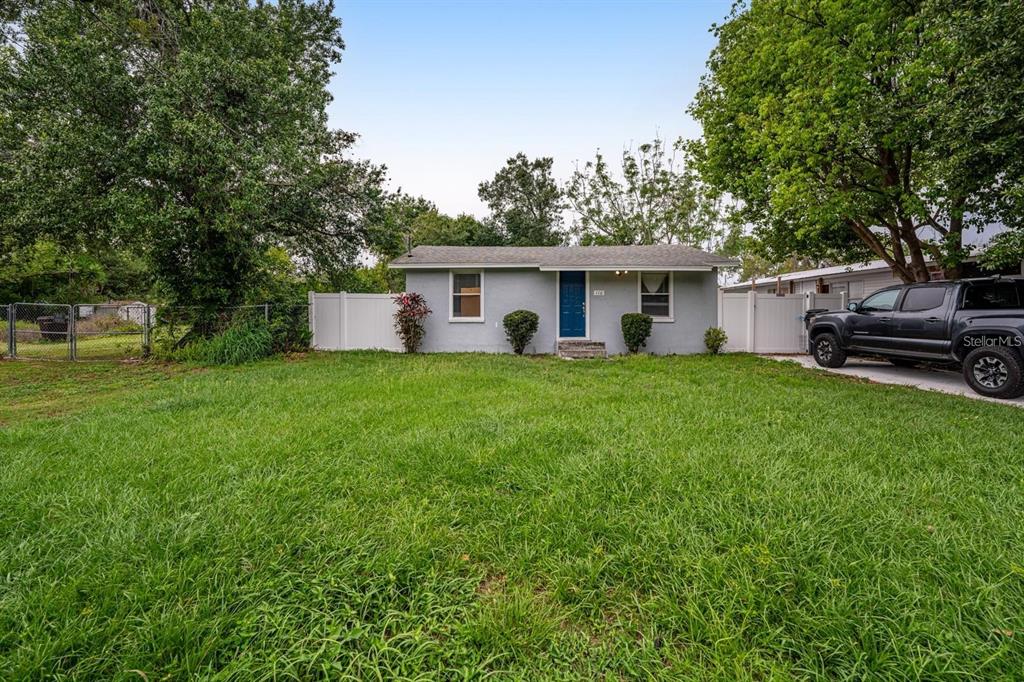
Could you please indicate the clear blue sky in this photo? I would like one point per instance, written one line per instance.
(444, 92)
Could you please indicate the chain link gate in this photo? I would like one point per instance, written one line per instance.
(40, 331)
(110, 331)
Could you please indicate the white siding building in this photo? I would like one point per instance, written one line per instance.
(856, 281)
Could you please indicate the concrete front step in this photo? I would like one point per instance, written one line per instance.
(581, 349)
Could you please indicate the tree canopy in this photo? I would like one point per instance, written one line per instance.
(657, 201)
(195, 133)
(847, 130)
(526, 202)
(409, 221)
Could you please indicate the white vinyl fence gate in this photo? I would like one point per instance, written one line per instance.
(346, 321)
(766, 323)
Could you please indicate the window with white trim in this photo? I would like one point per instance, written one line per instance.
(656, 294)
(467, 295)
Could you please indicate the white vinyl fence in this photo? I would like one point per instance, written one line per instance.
(766, 323)
(346, 321)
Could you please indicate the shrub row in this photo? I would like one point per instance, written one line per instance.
(521, 325)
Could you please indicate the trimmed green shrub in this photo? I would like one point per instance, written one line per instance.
(520, 326)
(715, 339)
(636, 329)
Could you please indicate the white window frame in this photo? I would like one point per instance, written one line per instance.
(671, 296)
(451, 296)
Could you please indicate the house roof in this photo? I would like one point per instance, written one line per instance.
(812, 274)
(658, 256)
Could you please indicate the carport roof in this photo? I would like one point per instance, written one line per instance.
(658, 256)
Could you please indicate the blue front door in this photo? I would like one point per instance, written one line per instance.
(572, 304)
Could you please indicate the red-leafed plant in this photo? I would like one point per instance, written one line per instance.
(411, 311)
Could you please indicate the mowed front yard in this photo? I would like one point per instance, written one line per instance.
(368, 515)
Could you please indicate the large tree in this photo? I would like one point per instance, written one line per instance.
(879, 127)
(195, 130)
(657, 201)
(526, 202)
(409, 221)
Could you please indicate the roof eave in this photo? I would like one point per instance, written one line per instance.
(555, 268)
(447, 266)
(618, 268)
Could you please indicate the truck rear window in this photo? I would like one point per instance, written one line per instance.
(993, 296)
(920, 299)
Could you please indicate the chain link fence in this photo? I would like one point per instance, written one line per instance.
(288, 323)
(119, 331)
(173, 324)
(5, 341)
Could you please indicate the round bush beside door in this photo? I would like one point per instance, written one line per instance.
(636, 329)
(520, 326)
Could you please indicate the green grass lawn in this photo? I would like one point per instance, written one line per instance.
(90, 346)
(368, 515)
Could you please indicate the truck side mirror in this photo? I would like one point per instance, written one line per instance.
(853, 306)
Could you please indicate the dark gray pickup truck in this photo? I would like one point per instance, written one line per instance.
(974, 324)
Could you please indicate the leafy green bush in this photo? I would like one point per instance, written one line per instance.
(238, 344)
(289, 328)
(520, 326)
(636, 329)
(715, 339)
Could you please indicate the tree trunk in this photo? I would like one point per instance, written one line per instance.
(899, 267)
(956, 227)
(953, 272)
(918, 264)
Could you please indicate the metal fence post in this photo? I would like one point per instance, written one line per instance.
(12, 334)
(146, 330)
(72, 337)
(8, 316)
(266, 313)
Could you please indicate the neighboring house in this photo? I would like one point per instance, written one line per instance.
(856, 281)
(579, 292)
(127, 311)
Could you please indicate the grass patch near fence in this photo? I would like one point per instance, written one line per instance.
(365, 515)
(33, 390)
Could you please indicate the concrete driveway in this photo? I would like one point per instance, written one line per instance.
(928, 379)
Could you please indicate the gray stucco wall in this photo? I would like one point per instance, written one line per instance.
(694, 299)
(505, 290)
(694, 302)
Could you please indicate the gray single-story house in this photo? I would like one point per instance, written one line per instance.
(579, 292)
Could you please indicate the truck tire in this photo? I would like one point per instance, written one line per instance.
(828, 352)
(995, 372)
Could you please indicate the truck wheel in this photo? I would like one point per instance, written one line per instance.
(901, 362)
(995, 372)
(828, 352)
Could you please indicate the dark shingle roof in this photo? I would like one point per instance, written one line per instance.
(658, 255)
